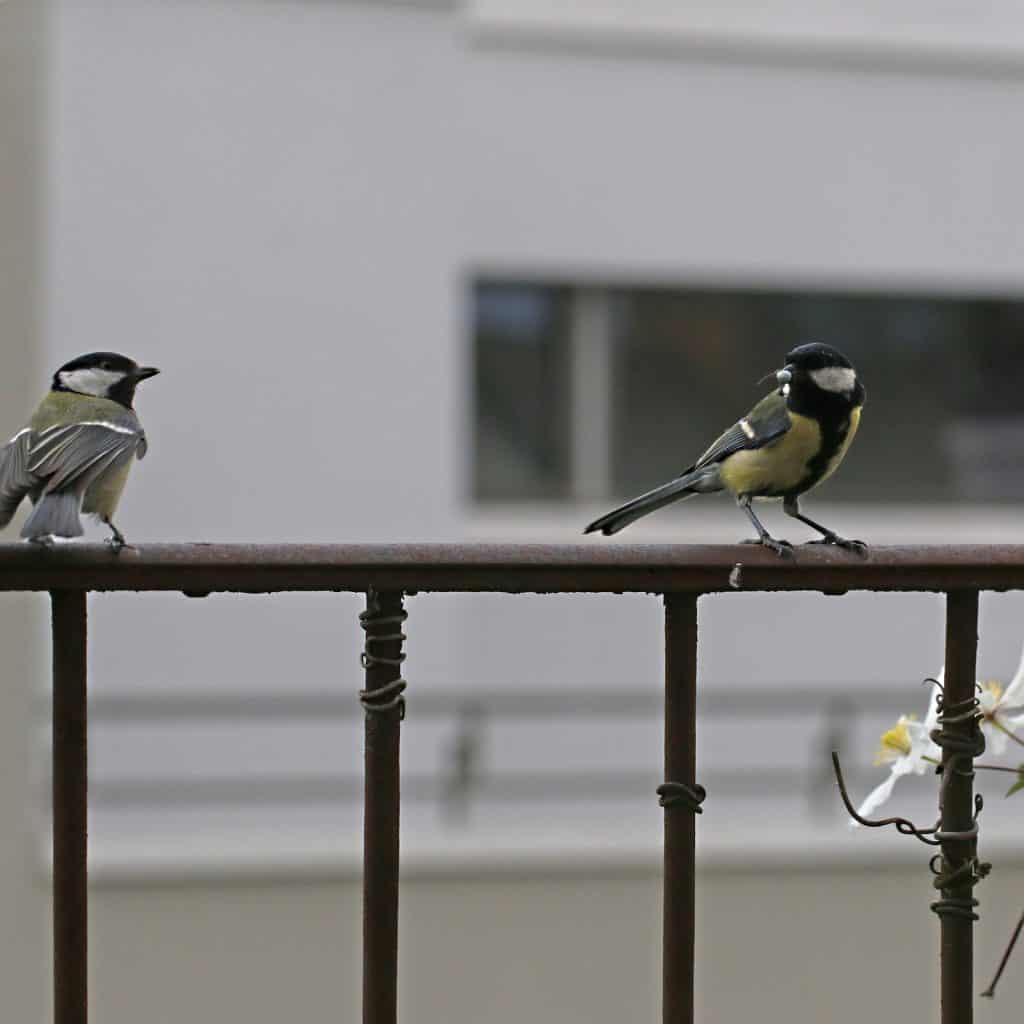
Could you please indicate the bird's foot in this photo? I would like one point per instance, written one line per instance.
(46, 542)
(782, 548)
(858, 547)
(116, 540)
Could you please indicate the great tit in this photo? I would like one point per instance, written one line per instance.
(75, 453)
(791, 441)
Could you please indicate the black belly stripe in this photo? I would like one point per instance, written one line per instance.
(832, 413)
(833, 434)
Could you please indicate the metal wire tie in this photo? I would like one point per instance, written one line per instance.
(675, 794)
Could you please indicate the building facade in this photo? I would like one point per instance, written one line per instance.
(304, 212)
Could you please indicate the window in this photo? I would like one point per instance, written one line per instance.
(522, 422)
(584, 393)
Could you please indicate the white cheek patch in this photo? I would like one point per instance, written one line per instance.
(835, 378)
(92, 381)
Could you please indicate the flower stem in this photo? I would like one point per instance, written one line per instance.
(991, 990)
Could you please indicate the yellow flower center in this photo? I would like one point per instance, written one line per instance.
(991, 694)
(895, 743)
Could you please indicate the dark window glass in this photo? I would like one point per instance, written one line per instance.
(522, 426)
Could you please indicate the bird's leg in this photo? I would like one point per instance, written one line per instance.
(781, 547)
(116, 540)
(45, 541)
(791, 507)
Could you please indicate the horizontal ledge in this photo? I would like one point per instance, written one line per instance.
(200, 569)
(730, 700)
(276, 857)
(899, 47)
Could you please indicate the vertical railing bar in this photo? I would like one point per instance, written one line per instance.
(70, 806)
(957, 929)
(384, 705)
(681, 798)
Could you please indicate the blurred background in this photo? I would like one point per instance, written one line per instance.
(473, 271)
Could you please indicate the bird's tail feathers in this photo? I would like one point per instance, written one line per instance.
(698, 481)
(56, 515)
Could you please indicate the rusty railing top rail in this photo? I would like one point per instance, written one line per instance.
(198, 569)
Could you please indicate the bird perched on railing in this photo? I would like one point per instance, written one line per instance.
(75, 453)
(791, 441)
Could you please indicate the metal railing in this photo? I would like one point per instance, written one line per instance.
(386, 574)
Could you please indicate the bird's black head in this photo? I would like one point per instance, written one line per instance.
(103, 375)
(819, 375)
(816, 356)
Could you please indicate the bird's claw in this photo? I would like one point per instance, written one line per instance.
(782, 548)
(116, 541)
(858, 547)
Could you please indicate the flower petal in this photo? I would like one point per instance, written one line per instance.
(1014, 723)
(877, 796)
(1013, 697)
(922, 746)
(996, 741)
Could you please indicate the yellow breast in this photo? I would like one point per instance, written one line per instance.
(779, 466)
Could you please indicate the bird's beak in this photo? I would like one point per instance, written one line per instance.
(783, 376)
(145, 372)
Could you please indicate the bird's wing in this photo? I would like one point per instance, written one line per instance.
(16, 479)
(768, 420)
(71, 456)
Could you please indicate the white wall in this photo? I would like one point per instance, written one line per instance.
(674, 170)
(772, 945)
(258, 197)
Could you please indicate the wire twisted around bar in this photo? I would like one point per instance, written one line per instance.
(904, 826)
(963, 751)
(682, 794)
(389, 696)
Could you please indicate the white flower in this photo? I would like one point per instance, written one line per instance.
(995, 703)
(908, 749)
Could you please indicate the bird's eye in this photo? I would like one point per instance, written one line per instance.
(105, 365)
